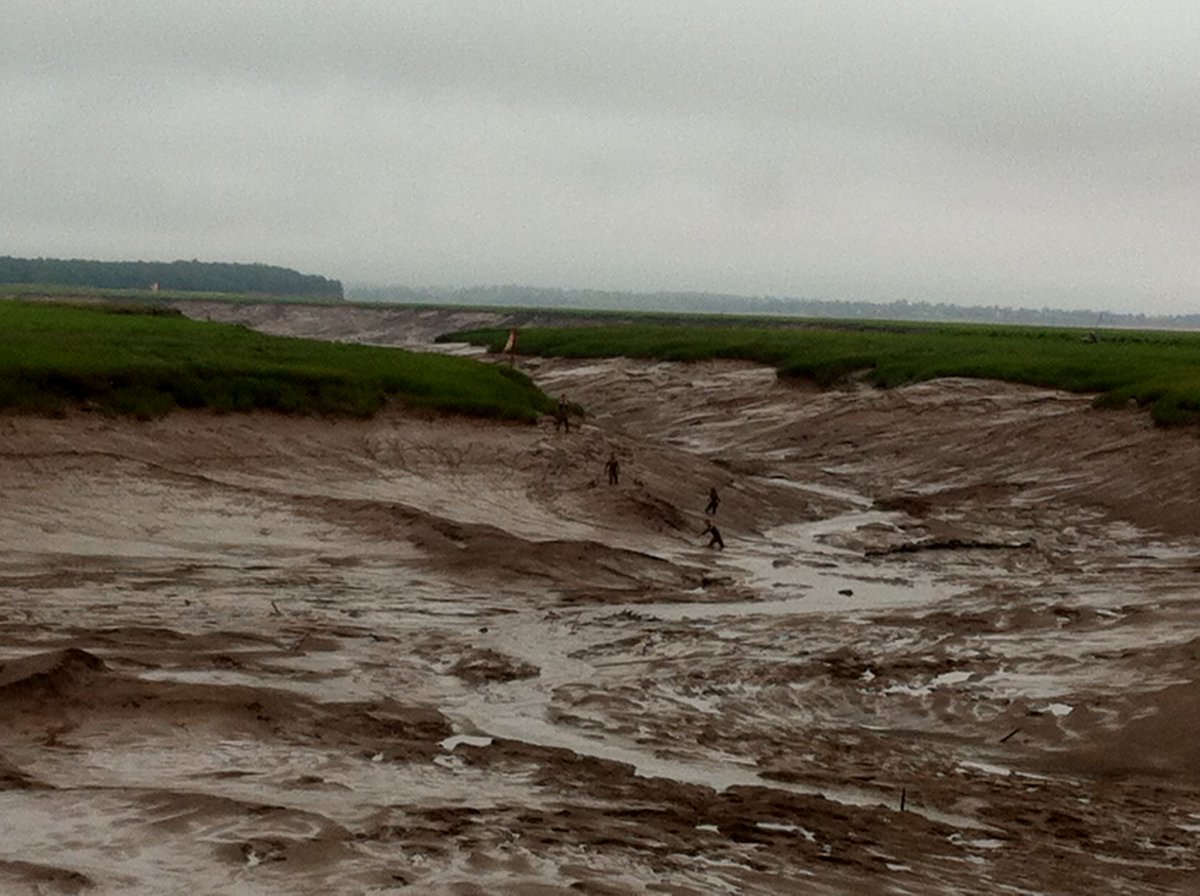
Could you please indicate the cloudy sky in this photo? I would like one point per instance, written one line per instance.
(1015, 153)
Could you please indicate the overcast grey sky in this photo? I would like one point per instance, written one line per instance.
(1014, 153)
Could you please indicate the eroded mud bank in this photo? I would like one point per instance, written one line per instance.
(262, 655)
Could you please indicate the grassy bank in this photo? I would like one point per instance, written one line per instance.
(1159, 371)
(144, 362)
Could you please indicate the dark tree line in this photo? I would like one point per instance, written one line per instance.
(194, 276)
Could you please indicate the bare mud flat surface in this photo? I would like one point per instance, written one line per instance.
(950, 647)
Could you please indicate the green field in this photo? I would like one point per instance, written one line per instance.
(1159, 371)
(144, 362)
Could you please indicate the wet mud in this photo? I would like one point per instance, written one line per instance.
(951, 645)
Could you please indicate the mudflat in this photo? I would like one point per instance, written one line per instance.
(950, 645)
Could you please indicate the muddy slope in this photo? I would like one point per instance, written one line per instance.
(950, 646)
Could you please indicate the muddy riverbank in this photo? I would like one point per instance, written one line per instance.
(950, 645)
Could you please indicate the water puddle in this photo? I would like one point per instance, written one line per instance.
(797, 560)
(491, 719)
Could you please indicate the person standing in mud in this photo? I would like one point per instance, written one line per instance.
(613, 469)
(562, 415)
(715, 540)
(713, 502)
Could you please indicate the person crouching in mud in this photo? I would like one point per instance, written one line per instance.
(715, 540)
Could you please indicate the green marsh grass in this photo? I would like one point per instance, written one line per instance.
(1159, 371)
(130, 360)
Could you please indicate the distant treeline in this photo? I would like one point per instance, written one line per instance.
(191, 276)
(714, 303)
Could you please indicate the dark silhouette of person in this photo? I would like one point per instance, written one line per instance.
(613, 469)
(713, 502)
(715, 540)
(562, 415)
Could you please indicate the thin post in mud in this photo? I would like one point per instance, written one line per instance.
(903, 797)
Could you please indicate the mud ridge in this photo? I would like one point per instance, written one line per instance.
(949, 646)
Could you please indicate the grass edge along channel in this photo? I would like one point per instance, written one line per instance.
(1158, 371)
(139, 361)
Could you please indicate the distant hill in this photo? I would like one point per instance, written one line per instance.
(196, 276)
(710, 303)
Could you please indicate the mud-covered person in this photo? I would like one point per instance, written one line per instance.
(612, 469)
(714, 501)
(562, 415)
(715, 540)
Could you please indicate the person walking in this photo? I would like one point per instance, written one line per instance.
(713, 502)
(613, 469)
(715, 540)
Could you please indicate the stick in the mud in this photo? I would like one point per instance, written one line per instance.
(714, 502)
(1010, 734)
(613, 469)
(903, 795)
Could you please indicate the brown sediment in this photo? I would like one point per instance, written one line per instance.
(443, 656)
